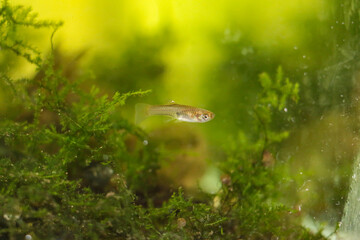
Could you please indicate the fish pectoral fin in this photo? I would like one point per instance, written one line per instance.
(171, 120)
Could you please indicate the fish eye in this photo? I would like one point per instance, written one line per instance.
(205, 116)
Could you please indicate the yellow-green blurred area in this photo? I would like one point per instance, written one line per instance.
(179, 43)
(209, 54)
(203, 53)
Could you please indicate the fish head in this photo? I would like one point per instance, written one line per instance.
(205, 116)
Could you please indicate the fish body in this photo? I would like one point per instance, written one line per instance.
(176, 111)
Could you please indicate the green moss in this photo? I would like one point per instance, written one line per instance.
(72, 168)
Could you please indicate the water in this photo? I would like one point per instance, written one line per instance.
(350, 224)
(208, 58)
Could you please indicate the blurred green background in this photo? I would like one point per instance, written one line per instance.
(209, 54)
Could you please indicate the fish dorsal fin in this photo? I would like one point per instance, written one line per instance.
(171, 102)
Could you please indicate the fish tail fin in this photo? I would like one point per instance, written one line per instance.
(141, 112)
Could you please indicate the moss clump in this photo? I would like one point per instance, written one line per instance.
(72, 168)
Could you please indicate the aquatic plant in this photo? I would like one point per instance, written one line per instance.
(71, 167)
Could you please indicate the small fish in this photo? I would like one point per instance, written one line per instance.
(179, 112)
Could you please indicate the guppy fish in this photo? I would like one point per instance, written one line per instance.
(179, 112)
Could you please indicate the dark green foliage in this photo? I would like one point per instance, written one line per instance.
(251, 175)
(181, 218)
(272, 100)
(71, 168)
(12, 19)
(49, 205)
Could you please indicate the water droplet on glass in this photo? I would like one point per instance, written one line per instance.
(9, 216)
(28, 237)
